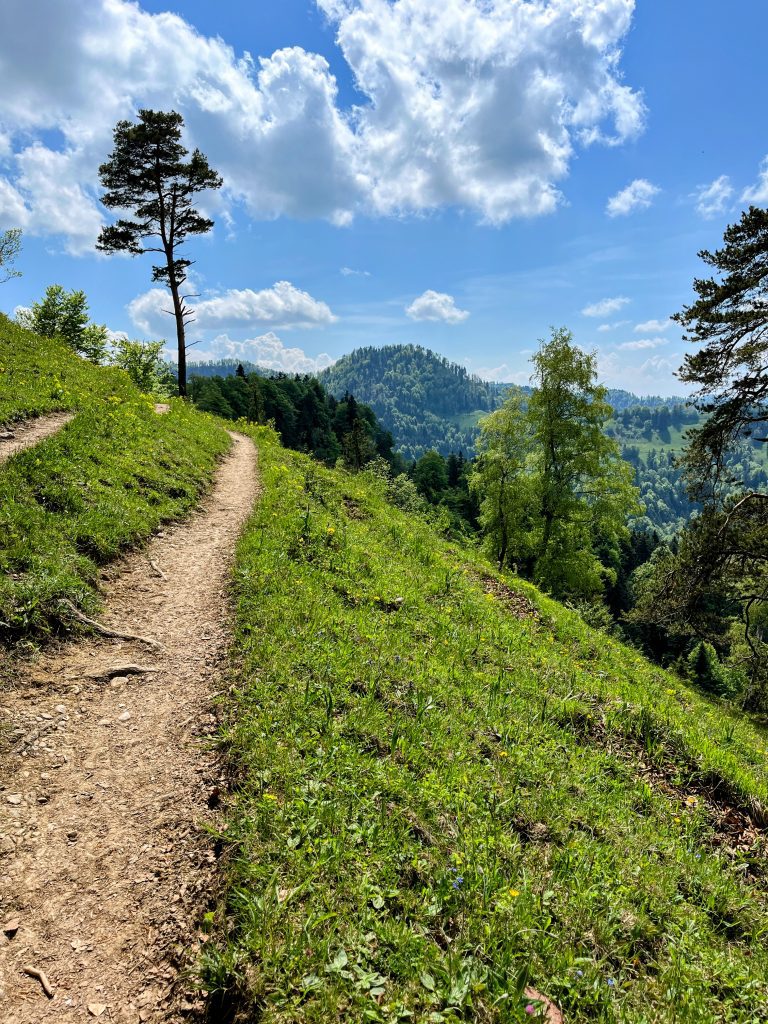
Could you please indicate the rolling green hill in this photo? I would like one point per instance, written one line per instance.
(426, 401)
(448, 789)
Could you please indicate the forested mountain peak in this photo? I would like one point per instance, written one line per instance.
(424, 399)
(421, 378)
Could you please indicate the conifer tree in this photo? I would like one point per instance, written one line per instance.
(147, 174)
(729, 321)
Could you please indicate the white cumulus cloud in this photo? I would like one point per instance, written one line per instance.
(711, 200)
(13, 210)
(436, 306)
(282, 305)
(268, 351)
(757, 194)
(605, 306)
(638, 195)
(478, 104)
(653, 326)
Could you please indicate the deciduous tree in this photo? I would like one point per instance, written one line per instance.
(64, 314)
(553, 483)
(10, 247)
(142, 362)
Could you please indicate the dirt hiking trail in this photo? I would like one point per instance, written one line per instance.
(106, 780)
(16, 437)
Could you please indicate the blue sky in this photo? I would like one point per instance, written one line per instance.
(462, 175)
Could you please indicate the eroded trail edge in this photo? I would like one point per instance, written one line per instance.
(16, 437)
(107, 780)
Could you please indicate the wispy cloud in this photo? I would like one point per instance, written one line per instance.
(606, 306)
(653, 326)
(711, 200)
(638, 195)
(757, 194)
(604, 328)
(642, 343)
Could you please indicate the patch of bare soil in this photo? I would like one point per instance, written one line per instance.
(16, 438)
(517, 603)
(108, 781)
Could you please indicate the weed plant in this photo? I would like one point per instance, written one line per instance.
(449, 789)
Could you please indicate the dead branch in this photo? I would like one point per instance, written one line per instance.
(42, 977)
(102, 630)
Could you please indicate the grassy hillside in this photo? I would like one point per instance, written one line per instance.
(102, 484)
(448, 788)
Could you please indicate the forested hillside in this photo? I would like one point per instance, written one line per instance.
(307, 417)
(652, 440)
(425, 400)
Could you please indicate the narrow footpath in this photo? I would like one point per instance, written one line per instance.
(16, 438)
(107, 781)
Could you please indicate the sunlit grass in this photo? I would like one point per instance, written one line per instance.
(86, 494)
(439, 803)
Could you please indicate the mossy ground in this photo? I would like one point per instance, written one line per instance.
(448, 788)
(83, 496)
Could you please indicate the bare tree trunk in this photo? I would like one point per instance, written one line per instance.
(181, 338)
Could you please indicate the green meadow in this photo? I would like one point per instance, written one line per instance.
(447, 789)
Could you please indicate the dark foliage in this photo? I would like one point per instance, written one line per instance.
(307, 418)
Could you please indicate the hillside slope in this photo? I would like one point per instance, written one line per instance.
(100, 485)
(426, 401)
(451, 792)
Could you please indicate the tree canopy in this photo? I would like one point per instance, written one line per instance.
(10, 247)
(729, 323)
(718, 580)
(64, 314)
